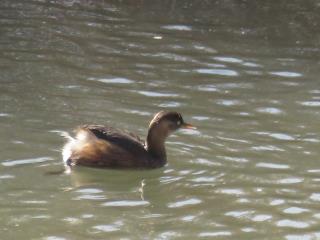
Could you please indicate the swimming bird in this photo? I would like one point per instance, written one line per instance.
(106, 147)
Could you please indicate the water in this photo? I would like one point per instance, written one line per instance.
(246, 74)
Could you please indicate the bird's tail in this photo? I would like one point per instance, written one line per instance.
(66, 135)
(67, 148)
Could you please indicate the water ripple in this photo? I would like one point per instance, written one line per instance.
(286, 74)
(279, 136)
(36, 202)
(54, 238)
(232, 191)
(201, 118)
(205, 162)
(89, 190)
(215, 234)
(311, 236)
(208, 88)
(5, 115)
(125, 203)
(292, 224)
(239, 214)
(204, 179)
(270, 110)
(169, 235)
(10, 163)
(117, 80)
(136, 112)
(291, 180)
(188, 218)
(204, 49)
(272, 165)
(234, 159)
(261, 217)
(251, 64)
(310, 103)
(221, 72)
(178, 27)
(6, 176)
(72, 220)
(108, 227)
(157, 94)
(267, 148)
(183, 203)
(232, 102)
(295, 210)
(248, 229)
(315, 197)
(170, 104)
(236, 85)
(282, 136)
(90, 197)
(169, 179)
(228, 59)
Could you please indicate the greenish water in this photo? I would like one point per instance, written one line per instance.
(246, 74)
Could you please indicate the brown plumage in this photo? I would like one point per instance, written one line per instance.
(107, 147)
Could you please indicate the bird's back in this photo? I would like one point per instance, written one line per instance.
(126, 140)
(103, 146)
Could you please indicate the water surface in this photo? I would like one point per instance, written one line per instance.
(246, 74)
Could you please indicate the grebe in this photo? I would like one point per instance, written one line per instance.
(107, 147)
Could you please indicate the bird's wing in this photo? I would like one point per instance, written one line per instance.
(120, 138)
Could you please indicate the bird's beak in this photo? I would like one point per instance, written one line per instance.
(188, 126)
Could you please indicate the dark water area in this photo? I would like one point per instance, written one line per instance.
(246, 73)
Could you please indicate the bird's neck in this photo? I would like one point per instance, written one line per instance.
(155, 144)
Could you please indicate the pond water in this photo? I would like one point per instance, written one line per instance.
(246, 74)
